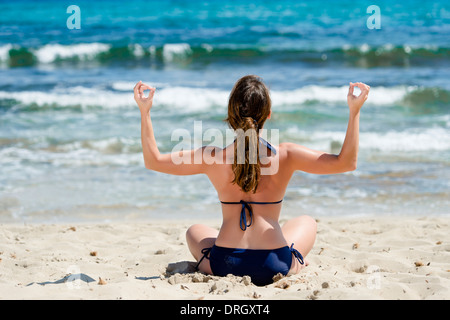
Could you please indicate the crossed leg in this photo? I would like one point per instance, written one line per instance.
(301, 231)
(198, 237)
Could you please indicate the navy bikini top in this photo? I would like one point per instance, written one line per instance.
(246, 204)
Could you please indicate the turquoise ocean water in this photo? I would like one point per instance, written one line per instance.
(70, 130)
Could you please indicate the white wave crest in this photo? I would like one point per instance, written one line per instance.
(176, 50)
(187, 99)
(409, 140)
(4, 52)
(83, 51)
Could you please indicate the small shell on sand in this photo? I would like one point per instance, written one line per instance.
(418, 263)
(101, 281)
(355, 246)
(93, 253)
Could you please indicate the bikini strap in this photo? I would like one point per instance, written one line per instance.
(243, 220)
(246, 205)
(268, 145)
(205, 252)
(297, 254)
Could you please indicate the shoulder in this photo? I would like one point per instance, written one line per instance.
(287, 147)
(295, 152)
(290, 147)
(283, 150)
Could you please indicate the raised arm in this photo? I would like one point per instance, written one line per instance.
(153, 159)
(318, 162)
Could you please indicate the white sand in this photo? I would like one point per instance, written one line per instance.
(353, 258)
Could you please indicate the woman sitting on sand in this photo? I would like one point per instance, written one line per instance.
(251, 241)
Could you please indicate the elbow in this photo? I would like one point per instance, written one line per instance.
(352, 166)
(153, 162)
(150, 165)
(347, 165)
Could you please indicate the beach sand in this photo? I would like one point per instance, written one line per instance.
(353, 258)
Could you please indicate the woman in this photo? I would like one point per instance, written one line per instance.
(251, 241)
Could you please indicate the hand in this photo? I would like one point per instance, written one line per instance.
(356, 102)
(144, 103)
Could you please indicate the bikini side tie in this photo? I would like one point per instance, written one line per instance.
(205, 252)
(297, 254)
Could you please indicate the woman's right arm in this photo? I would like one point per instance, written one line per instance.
(153, 159)
(318, 162)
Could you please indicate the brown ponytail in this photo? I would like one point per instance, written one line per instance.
(249, 106)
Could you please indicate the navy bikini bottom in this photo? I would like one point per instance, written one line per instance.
(260, 264)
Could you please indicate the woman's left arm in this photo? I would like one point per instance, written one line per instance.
(153, 159)
(318, 162)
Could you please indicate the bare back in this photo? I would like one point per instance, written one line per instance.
(265, 231)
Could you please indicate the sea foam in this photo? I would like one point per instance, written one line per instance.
(84, 51)
(192, 99)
